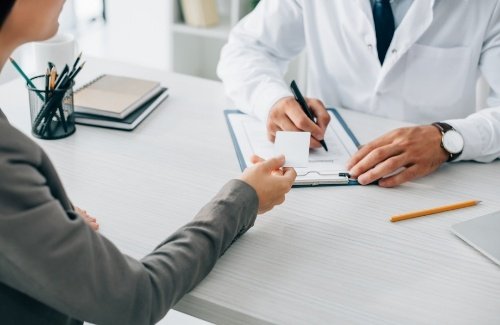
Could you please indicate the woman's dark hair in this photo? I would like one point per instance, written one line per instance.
(5, 7)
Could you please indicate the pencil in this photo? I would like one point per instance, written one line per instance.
(47, 76)
(76, 72)
(53, 77)
(21, 72)
(76, 61)
(421, 213)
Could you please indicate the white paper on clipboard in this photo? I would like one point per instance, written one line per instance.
(325, 168)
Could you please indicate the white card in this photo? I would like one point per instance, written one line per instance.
(294, 146)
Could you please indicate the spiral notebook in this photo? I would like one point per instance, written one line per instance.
(114, 96)
(128, 123)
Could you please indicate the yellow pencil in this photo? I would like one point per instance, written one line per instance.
(421, 213)
(52, 80)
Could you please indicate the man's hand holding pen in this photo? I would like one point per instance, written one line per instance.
(287, 115)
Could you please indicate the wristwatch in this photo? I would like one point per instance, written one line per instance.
(451, 141)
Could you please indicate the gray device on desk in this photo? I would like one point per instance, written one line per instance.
(483, 234)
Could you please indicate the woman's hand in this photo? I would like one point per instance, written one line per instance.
(270, 181)
(91, 221)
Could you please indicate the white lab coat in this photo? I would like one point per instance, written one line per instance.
(429, 74)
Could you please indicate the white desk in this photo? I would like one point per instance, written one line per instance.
(328, 255)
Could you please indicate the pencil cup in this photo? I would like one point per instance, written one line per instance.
(51, 110)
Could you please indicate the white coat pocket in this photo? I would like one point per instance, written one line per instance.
(436, 77)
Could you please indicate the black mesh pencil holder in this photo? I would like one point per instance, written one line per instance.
(52, 111)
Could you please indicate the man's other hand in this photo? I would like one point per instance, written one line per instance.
(406, 153)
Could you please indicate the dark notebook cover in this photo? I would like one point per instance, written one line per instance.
(127, 123)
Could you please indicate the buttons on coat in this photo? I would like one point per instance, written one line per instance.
(369, 41)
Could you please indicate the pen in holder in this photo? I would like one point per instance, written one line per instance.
(51, 108)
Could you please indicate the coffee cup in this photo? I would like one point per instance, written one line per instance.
(60, 50)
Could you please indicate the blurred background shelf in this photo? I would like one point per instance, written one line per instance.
(220, 31)
(196, 50)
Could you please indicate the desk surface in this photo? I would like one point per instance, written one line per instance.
(327, 255)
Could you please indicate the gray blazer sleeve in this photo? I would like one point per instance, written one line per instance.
(51, 255)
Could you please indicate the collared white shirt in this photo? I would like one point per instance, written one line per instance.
(399, 9)
(429, 74)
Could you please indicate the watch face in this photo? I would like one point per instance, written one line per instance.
(453, 142)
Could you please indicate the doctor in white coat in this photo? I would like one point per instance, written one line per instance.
(412, 60)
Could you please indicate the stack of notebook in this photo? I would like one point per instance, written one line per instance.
(117, 102)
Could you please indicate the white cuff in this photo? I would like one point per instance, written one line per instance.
(266, 95)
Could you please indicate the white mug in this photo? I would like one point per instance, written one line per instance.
(60, 50)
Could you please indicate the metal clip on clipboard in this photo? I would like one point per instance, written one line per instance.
(317, 178)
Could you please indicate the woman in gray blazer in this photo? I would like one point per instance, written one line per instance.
(54, 269)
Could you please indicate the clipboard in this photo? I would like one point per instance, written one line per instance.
(325, 170)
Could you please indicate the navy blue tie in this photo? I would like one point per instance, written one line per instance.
(384, 26)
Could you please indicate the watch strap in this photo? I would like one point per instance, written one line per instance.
(443, 127)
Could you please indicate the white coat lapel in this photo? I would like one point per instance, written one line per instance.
(367, 11)
(416, 21)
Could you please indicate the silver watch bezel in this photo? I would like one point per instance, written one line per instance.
(452, 141)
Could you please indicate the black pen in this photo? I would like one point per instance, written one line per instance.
(73, 74)
(61, 76)
(47, 74)
(303, 104)
(76, 62)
